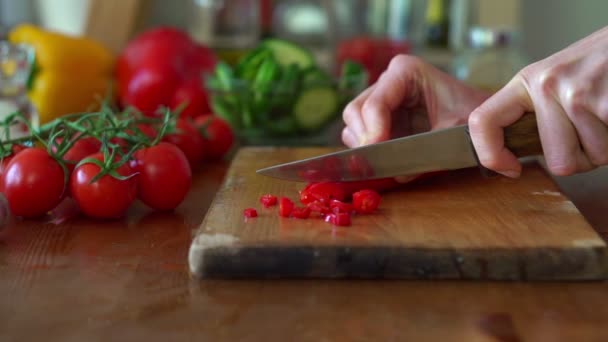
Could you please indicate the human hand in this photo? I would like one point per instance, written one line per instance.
(408, 86)
(569, 93)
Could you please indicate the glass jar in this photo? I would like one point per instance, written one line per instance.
(492, 58)
(230, 27)
(16, 63)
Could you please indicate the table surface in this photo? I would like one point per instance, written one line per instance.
(85, 280)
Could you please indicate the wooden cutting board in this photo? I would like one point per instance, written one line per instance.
(457, 225)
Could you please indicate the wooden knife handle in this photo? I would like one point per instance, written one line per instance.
(522, 137)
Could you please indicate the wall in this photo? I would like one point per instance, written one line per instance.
(551, 25)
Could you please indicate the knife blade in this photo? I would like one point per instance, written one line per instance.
(446, 149)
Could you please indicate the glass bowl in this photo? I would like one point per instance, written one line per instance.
(304, 112)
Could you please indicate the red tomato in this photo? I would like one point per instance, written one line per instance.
(374, 54)
(192, 95)
(366, 201)
(340, 207)
(189, 140)
(250, 213)
(150, 88)
(107, 197)
(268, 200)
(301, 212)
(217, 134)
(81, 149)
(285, 207)
(34, 183)
(164, 176)
(4, 162)
(339, 219)
(147, 130)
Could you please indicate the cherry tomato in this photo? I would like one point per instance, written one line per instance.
(285, 207)
(250, 213)
(217, 134)
(192, 95)
(147, 130)
(164, 176)
(268, 200)
(189, 140)
(340, 207)
(366, 201)
(301, 212)
(107, 197)
(34, 183)
(81, 149)
(4, 162)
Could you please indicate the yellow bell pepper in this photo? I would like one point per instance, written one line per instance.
(71, 75)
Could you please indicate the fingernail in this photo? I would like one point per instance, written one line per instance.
(510, 173)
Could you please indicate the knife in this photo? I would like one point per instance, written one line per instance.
(446, 149)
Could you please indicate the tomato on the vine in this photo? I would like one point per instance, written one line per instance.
(164, 176)
(217, 134)
(4, 162)
(189, 140)
(34, 183)
(107, 197)
(81, 149)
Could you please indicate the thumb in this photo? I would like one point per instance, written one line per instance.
(486, 124)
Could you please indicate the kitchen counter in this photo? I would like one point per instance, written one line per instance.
(85, 280)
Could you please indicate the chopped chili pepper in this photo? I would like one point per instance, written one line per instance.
(285, 207)
(301, 212)
(268, 200)
(366, 201)
(340, 207)
(339, 219)
(250, 213)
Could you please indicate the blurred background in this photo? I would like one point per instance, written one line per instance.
(483, 42)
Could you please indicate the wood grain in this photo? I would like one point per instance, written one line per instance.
(128, 280)
(457, 225)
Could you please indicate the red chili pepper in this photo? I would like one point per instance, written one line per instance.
(250, 213)
(285, 207)
(319, 207)
(301, 212)
(340, 207)
(268, 200)
(366, 201)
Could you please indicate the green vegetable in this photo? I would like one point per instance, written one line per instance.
(315, 107)
(288, 53)
(278, 90)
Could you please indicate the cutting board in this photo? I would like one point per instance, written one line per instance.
(457, 225)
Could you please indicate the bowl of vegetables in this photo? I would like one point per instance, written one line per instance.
(278, 95)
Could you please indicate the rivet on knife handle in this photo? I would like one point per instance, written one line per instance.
(522, 137)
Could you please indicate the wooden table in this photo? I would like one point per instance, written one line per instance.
(84, 280)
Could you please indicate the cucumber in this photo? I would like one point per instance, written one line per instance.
(315, 107)
(287, 53)
(315, 76)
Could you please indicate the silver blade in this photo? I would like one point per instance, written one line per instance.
(447, 149)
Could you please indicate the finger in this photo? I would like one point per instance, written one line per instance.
(348, 138)
(352, 115)
(591, 131)
(399, 86)
(486, 124)
(561, 146)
